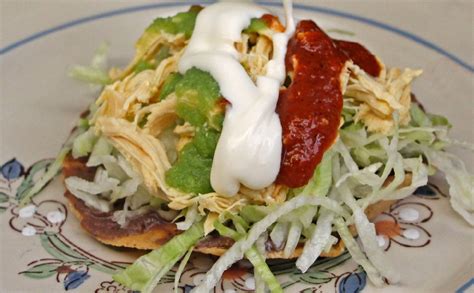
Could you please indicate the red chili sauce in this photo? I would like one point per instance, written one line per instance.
(360, 56)
(310, 108)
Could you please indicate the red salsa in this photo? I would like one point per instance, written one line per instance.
(310, 108)
(360, 56)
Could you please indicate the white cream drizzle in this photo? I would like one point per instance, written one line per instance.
(249, 149)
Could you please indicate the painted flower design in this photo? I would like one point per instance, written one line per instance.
(352, 282)
(71, 274)
(46, 217)
(12, 170)
(75, 279)
(112, 287)
(403, 225)
(430, 191)
(16, 183)
(238, 277)
(4, 201)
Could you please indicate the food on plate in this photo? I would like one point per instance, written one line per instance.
(234, 135)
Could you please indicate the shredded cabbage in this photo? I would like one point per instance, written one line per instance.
(261, 269)
(191, 217)
(279, 234)
(260, 286)
(367, 235)
(125, 190)
(357, 255)
(84, 144)
(293, 239)
(89, 199)
(236, 252)
(95, 73)
(461, 183)
(182, 266)
(140, 198)
(101, 184)
(145, 273)
(315, 245)
(91, 192)
(101, 150)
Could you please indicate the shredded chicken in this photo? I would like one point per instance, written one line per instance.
(273, 194)
(161, 116)
(125, 98)
(255, 58)
(186, 134)
(209, 222)
(378, 98)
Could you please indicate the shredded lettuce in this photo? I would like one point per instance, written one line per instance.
(125, 189)
(96, 72)
(279, 234)
(302, 218)
(145, 273)
(321, 181)
(90, 75)
(90, 192)
(89, 199)
(315, 245)
(367, 235)
(319, 185)
(461, 183)
(182, 266)
(101, 184)
(254, 213)
(191, 217)
(83, 144)
(294, 234)
(141, 198)
(101, 148)
(357, 255)
(261, 269)
(236, 252)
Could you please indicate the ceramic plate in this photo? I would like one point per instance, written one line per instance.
(43, 248)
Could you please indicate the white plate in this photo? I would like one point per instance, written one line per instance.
(40, 104)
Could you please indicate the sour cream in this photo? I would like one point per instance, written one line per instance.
(249, 149)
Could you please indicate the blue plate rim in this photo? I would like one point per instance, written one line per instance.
(314, 8)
